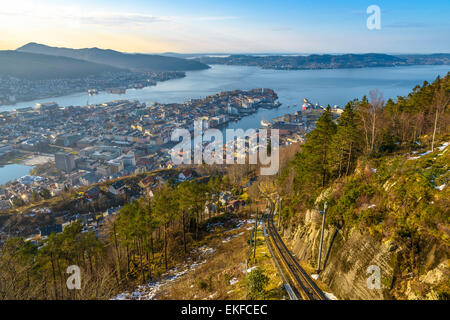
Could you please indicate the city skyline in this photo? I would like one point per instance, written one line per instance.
(232, 27)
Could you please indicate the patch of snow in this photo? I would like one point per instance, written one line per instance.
(211, 296)
(211, 226)
(121, 296)
(419, 155)
(330, 296)
(149, 290)
(374, 170)
(250, 269)
(205, 250)
(233, 281)
(445, 145)
(315, 276)
(231, 237)
(441, 187)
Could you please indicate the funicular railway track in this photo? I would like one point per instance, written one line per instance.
(303, 287)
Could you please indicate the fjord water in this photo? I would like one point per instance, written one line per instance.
(327, 86)
(13, 171)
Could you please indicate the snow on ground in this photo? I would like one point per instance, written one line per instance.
(441, 187)
(205, 251)
(420, 155)
(241, 223)
(211, 226)
(149, 290)
(443, 146)
(231, 237)
(315, 276)
(250, 269)
(331, 296)
(211, 296)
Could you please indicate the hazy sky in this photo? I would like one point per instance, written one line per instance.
(316, 26)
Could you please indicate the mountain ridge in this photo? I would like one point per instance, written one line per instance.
(33, 66)
(131, 61)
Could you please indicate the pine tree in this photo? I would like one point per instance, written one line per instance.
(312, 163)
(165, 208)
(345, 143)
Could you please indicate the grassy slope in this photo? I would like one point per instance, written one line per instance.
(223, 274)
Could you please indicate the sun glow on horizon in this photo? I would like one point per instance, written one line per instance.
(190, 27)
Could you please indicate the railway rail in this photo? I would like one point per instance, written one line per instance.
(303, 287)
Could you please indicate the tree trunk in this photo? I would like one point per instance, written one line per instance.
(374, 118)
(54, 277)
(434, 129)
(184, 234)
(165, 246)
(348, 160)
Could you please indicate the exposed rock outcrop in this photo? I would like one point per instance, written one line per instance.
(345, 258)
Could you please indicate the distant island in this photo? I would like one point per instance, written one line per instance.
(326, 61)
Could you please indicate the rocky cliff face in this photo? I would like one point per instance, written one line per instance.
(349, 259)
(346, 257)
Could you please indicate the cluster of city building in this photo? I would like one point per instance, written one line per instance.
(36, 224)
(13, 89)
(96, 143)
(292, 127)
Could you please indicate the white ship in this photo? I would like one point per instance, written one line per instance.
(265, 123)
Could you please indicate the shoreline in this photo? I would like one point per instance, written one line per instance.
(77, 100)
(103, 91)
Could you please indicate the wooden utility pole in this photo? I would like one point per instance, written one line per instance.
(324, 213)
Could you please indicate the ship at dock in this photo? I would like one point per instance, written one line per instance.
(265, 123)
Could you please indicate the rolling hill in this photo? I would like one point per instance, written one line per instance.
(134, 62)
(314, 61)
(33, 66)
